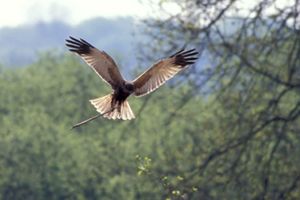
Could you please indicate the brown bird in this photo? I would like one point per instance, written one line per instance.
(115, 105)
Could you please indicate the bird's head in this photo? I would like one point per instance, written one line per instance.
(129, 87)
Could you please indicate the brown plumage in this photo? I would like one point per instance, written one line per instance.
(115, 105)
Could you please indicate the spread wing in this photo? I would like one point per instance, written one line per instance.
(162, 71)
(98, 60)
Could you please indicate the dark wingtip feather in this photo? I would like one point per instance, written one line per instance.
(78, 46)
(178, 52)
(184, 58)
(85, 42)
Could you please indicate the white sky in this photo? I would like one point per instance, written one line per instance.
(16, 12)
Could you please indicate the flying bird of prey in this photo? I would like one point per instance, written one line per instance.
(115, 105)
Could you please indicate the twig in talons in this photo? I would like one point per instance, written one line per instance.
(86, 121)
(92, 118)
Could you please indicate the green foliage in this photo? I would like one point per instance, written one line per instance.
(41, 158)
(159, 155)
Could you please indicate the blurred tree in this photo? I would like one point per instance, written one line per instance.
(249, 70)
(41, 158)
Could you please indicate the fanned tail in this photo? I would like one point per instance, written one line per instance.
(104, 105)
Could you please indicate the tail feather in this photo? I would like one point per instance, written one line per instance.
(127, 112)
(104, 105)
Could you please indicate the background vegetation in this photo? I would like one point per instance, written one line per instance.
(226, 128)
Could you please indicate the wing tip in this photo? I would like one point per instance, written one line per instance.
(79, 46)
(187, 57)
